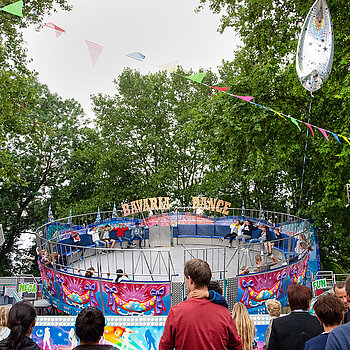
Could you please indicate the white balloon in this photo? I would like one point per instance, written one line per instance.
(315, 48)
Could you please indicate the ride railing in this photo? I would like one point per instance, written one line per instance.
(150, 264)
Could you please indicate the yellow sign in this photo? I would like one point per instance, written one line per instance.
(213, 204)
(148, 204)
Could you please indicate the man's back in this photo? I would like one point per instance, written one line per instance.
(293, 330)
(199, 324)
(339, 338)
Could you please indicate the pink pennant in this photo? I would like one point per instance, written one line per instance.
(59, 31)
(220, 88)
(94, 50)
(245, 98)
(310, 127)
(324, 133)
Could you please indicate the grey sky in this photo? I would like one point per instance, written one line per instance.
(163, 30)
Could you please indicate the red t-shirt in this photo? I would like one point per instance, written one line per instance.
(199, 324)
(120, 231)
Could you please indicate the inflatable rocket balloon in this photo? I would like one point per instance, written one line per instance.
(315, 48)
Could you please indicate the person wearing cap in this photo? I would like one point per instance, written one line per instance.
(136, 232)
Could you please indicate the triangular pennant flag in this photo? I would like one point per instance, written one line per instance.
(220, 88)
(196, 77)
(94, 50)
(345, 138)
(14, 9)
(335, 136)
(170, 66)
(310, 127)
(136, 56)
(324, 133)
(59, 31)
(278, 113)
(295, 122)
(245, 98)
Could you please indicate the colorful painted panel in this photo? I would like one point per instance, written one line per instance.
(254, 290)
(129, 298)
(71, 294)
(133, 338)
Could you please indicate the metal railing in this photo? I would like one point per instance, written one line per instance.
(148, 264)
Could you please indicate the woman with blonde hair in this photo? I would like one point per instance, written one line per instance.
(4, 330)
(245, 325)
(274, 309)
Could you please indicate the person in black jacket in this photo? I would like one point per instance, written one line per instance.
(293, 330)
(89, 328)
(21, 321)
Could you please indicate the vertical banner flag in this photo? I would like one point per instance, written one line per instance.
(70, 217)
(98, 218)
(51, 219)
(261, 215)
(14, 9)
(59, 31)
(94, 51)
(243, 209)
(114, 214)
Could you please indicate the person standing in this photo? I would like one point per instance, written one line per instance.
(199, 324)
(339, 338)
(329, 311)
(340, 293)
(292, 331)
(21, 321)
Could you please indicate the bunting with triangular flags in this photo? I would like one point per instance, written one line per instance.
(244, 98)
(324, 133)
(136, 56)
(220, 88)
(196, 77)
(14, 9)
(309, 126)
(59, 31)
(94, 51)
(170, 66)
(295, 122)
(335, 136)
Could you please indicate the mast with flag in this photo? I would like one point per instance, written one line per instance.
(98, 218)
(69, 222)
(51, 218)
(114, 214)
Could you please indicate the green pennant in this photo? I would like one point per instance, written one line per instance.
(295, 122)
(14, 9)
(196, 77)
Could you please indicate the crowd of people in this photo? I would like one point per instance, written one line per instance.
(203, 320)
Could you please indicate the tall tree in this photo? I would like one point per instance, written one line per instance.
(264, 159)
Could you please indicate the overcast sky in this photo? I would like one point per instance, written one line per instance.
(163, 30)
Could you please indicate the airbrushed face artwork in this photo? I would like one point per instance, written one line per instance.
(64, 338)
(116, 299)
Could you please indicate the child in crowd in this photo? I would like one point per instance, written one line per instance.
(90, 272)
(21, 321)
(274, 309)
(89, 328)
(4, 330)
(96, 238)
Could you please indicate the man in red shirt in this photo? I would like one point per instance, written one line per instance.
(120, 232)
(198, 323)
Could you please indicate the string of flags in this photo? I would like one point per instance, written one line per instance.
(95, 51)
(14, 8)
